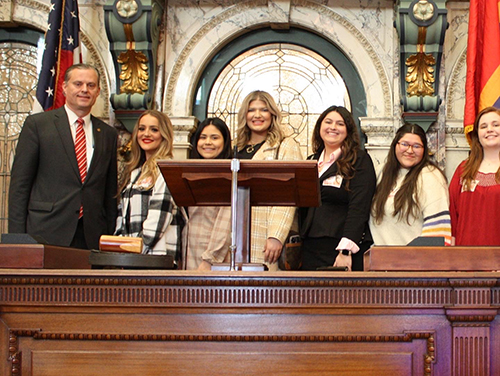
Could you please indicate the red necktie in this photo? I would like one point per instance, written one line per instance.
(81, 153)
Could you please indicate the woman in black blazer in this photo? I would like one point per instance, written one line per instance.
(336, 233)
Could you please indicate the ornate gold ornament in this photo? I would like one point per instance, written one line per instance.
(423, 10)
(134, 72)
(420, 73)
(127, 8)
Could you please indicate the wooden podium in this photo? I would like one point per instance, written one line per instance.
(204, 182)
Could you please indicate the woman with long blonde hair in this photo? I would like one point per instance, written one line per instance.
(146, 208)
(260, 136)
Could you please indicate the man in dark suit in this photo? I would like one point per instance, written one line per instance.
(47, 197)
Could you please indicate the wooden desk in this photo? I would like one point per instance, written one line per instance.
(42, 256)
(415, 259)
(109, 322)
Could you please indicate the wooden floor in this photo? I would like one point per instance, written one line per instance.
(88, 322)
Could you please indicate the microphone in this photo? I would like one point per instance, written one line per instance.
(235, 167)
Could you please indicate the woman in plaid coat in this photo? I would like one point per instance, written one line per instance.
(261, 137)
(146, 208)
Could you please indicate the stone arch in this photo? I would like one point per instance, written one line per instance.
(190, 62)
(455, 97)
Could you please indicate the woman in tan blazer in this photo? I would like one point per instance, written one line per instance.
(260, 136)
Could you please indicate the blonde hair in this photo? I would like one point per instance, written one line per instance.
(137, 155)
(274, 134)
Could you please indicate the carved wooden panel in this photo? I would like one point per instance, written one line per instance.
(230, 291)
(216, 363)
(88, 354)
(471, 354)
(145, 322)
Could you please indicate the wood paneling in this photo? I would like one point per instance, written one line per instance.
(124, 323)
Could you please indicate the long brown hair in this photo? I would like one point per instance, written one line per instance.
(471, 166)
(137, 155)
(275, 132)
(350, 146)
(406, 198)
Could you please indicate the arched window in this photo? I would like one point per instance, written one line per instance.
(18, 55)
(305, 74)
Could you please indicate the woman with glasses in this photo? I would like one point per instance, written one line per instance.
(475, 186)
(411, 198)
(336, 233)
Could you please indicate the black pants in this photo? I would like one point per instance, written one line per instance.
(318, 252)
(79, 238)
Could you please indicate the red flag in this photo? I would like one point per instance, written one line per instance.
(62, 49)
(482, 87)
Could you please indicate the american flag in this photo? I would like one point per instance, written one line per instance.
(62, 49)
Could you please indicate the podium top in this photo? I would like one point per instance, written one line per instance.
(207, 182)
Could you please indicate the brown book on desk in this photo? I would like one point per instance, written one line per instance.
(112, 243)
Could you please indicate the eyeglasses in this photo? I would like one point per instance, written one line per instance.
(415, 147)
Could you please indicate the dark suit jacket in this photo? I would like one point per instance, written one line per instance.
(45, 189)
(342, 213)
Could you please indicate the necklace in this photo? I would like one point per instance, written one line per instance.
(250, 148)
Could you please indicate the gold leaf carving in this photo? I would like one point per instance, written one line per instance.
(134, 72)
(420, 74)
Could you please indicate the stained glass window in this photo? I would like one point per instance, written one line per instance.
(18, 78)
(302, 82)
